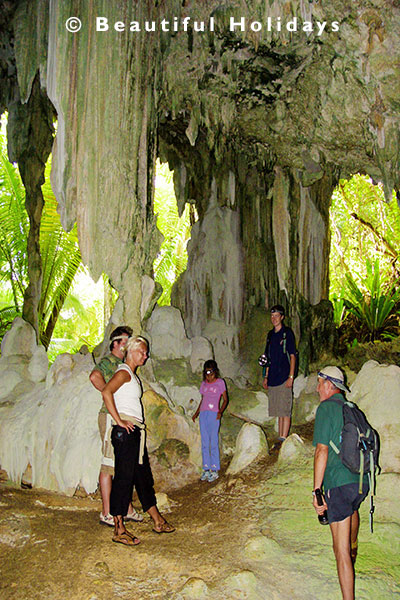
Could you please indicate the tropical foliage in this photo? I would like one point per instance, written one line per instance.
(375, 310)
(364, 260)
(59, 250)
(61, 259)
(172, 258)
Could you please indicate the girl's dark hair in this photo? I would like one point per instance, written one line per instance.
(210, 364)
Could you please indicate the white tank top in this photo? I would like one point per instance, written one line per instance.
(127, 397)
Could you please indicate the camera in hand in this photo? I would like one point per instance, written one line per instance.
(263, 360)
(323, 519)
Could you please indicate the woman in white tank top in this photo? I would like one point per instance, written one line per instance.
(122, 397)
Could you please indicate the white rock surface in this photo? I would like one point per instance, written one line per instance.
(292, 449)
(167, 334)
(148, 290)
(251, 444)
(201, 351)
(20, 339)
(38, 365)
(10, 382)
(376, 390)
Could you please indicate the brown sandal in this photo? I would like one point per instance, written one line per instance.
(163, 528)
(126, 538)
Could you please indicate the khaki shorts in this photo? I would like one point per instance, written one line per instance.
(280, 401)
(107, 461)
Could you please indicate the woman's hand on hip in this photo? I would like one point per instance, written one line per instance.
(128, 425)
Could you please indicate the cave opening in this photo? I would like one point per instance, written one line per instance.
(171, 260)
(364, 261)
(74, 309)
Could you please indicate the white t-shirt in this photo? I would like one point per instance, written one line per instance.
(127, 397)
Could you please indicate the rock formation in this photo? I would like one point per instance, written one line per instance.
(259, 107)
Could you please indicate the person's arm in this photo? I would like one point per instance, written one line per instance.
(196, 414)
(221, 409)
(320, 461)
(97, 380)
(116, 381)
(289, 381)
(265, 380)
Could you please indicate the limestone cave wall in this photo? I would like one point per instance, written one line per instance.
(259, 115)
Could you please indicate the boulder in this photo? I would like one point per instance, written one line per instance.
(60, 369)
(194, 588)
(292, 449)
(20, 339)
(8, 383)
(167, 334)
(201, 351)
(38, 365)
(245, 585)
(251, 444)
(305, 400)
(376, 391)
(162, 423)
(55, 424)
(262, 548)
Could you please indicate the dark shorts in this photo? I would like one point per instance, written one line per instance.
(342, 501)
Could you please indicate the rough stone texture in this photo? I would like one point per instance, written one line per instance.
(376, 391)
(20, 339)
(244, 584)
(305, 398)
(258, 127)
(292, 449)
(163, 423)
(167, 334)
(38, 365)
(201, 351)
(251, 445)
(213, 283)
(15, 531)
(195, 588)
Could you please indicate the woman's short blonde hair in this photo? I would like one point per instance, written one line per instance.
(134, 342)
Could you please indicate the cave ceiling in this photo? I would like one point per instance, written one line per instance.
(259, 115)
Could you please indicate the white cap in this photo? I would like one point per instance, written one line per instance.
(335, 375)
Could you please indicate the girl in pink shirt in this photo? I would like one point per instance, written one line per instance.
(212, 389)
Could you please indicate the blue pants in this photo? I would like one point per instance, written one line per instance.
(209, 428)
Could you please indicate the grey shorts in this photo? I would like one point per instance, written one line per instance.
(280, 401)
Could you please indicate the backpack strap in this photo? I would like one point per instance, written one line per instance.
(341, 403)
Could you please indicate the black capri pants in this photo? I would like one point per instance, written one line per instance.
(129, 473)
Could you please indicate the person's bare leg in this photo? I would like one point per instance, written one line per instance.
(159, 520)
(156, 516)
(284, 426)
(341, 547)
(105, 480)
(119, 525)
(354, 526)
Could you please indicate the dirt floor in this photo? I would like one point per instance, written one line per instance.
(253, 537)
(54, 548)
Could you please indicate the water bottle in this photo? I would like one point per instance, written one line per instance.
(323, 519)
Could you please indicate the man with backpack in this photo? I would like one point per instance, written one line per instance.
(280, 354)
(341, 486)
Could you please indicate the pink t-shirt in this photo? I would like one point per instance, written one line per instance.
(211, 393)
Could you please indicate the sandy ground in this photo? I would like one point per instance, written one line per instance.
(253, 537)
(56, 549)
